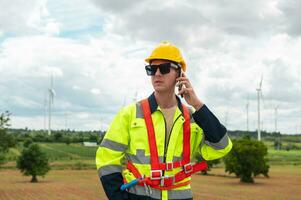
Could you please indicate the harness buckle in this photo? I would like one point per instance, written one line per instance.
(188, 168)
(156, 174)
(169, 166)
(167, 181)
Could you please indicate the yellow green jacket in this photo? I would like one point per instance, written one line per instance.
(126, 139)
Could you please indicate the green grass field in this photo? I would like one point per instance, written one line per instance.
(76, 156)
(292, 157)
(61, 156)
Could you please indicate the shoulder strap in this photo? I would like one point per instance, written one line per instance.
(154, 158)
(186, 135)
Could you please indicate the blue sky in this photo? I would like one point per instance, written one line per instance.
(95, 50)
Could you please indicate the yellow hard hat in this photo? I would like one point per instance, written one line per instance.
(167, 51)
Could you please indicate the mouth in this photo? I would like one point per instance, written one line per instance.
(158, 82)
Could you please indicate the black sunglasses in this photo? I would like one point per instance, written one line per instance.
(164, 68)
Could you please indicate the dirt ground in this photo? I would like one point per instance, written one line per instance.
(284, 183)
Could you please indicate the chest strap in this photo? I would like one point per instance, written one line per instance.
(156, 179)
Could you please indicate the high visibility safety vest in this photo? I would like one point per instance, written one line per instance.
(135, 145)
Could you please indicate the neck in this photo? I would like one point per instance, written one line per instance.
(166, 99)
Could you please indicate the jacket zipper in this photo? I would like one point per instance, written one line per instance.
(166, 145)
(164, 156)
(164, 135)
(165, 149)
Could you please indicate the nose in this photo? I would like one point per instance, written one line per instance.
(158, 73)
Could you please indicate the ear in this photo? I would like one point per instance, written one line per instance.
(179, 72)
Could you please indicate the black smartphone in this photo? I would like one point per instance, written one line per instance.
(180, 85)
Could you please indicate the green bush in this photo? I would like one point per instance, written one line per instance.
(6, 140)
(247, 159)
(27, 142)
(33, 162)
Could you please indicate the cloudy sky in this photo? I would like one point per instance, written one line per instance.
(95, 50)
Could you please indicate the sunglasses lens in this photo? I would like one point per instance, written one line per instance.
(152, 69)
(164, 68)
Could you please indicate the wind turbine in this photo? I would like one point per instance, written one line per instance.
(276, 117)
(259, 93)
(276, 121)
(45, 111)
(51, 94)
(66, 118)
(247, 107)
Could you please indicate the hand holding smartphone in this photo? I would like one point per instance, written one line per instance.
(180, 85)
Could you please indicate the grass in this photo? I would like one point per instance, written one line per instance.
(60, 151)
(61, 156)
(282, 157)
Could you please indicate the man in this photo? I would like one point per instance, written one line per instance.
(152, 145)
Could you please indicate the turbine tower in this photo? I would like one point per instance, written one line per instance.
(51, 94)
(276, 121)
(276, 117)
(45, 111)
(259, 93)
(247, 107)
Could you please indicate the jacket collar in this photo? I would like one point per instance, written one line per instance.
(154, 105)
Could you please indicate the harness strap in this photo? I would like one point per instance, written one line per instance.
(168, 182)
(156, 180)
(186, 135)
(154, 158)
(155, 164)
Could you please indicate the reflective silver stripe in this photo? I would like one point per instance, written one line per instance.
(116, 146)
(140, 157)
(179, 194)
(109, 169)
(141, 190)
(223, 143)
(176, 158)
(139, 113)
(190, 113)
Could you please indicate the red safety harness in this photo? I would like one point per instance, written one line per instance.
(156, 179)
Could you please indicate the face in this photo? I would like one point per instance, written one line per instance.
(164, 82)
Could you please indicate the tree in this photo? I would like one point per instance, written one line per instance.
(247, 159)
(27, 142)
(277, 144)
(33, 162)
(4, 120)
(6, 140)
(58, 137)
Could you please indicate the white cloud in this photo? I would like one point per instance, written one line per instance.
(95, 91)
(96, 51)
(26, 17)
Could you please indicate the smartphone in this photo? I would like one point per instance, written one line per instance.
(180, 85)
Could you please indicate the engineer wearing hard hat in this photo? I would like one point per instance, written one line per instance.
(150, 148)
